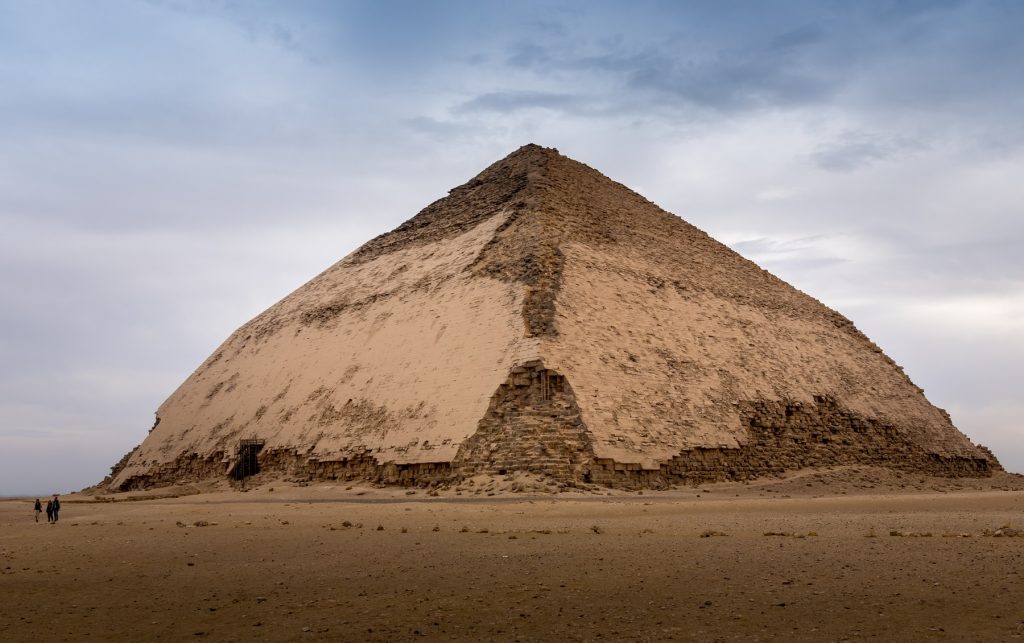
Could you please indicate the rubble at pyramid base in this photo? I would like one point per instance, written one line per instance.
(534, 425)
(696, 467)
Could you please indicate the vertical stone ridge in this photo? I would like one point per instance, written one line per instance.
(525, 248)
(532, 424)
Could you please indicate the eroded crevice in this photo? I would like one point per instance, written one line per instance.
(532, 424)
(523, 254)
(325, 313)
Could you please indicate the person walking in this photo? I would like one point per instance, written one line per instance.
(49, 511)
(56, 507)
(37, 509)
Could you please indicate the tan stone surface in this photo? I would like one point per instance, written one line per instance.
(663, 331)
(406, 376)
(657, 370)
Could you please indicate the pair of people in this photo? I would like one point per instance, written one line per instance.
(52, 509)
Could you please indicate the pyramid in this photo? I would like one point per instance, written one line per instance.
(544, 318)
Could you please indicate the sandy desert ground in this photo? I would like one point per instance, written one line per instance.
(840, 555)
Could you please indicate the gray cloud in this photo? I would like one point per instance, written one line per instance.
(733, 73)
(730, 81)
(928, 66)
(727, 81)
(763, 247)
(440, 129)
(503, 102)
(855, 150)
(850, 155)
(804, 35)
(528, 55)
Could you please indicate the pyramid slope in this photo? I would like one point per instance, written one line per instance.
(544, 317)
(343, 367)
(666, 333)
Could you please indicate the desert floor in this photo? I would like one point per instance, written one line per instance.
(288, 562)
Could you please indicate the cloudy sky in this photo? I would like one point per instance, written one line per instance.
(168, 169)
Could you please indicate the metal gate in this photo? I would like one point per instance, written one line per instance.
(247, 463)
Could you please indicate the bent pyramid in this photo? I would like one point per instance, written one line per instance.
(545, 318)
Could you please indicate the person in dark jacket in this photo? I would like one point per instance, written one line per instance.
(56, 507)
(37, 509)
(49, 511)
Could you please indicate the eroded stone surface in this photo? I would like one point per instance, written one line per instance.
(532, 424)
(786, 436)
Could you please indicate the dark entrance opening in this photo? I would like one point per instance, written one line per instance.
(247, 463)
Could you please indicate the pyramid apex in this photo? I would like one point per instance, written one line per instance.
(525, 158)
(534, 149)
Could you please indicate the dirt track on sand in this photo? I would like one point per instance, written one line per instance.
(283, 565)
